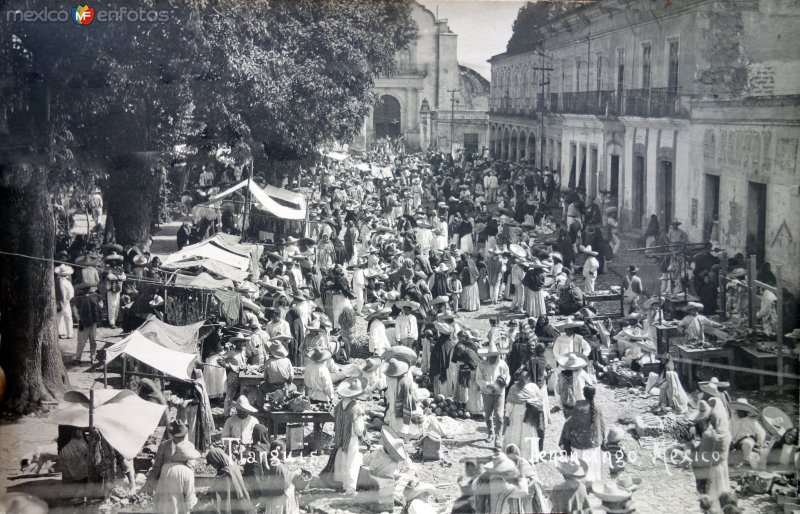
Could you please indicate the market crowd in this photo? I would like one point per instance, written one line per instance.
(408, 243)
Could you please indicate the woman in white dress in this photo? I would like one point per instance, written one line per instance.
(401, 397)
(349, 427)
(440, 234)
(216, 375)
(524, 413)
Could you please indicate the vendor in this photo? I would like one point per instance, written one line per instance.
(390, 458)
(240, 426)
(234, 362)
(570, 341)
(694, 323)
(278, 371)
(747, 433)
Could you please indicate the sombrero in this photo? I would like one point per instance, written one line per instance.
(491, 350)
(556, 256)
(352, 387)
(416, 489)
(439, 300)
(140, 260)
(516, 250)
(443, 328)
(407, 303)
(776, 421)
(608, 491)
(573, 361)
(572, 468)
(276, 349)
(402, 353)
(743, 404)
(393, 445)
(378, 313)
(588, 250)
(712, 386)
(628, 483)
(243, 404)
(371, 364)
(737, 273)
(320, 355)
(500, 464)
(157, 301)
(611, 209)
(694, 305)
(63, 270)
(703, 412)
(395, 367)
(794, 334)
(114, 257)
(442, 268)
(113, 246)
(535, 263)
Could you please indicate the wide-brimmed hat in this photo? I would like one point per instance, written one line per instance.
(776, 421)
(407, 303)
(694, 305)
(676, 223)
(157, 301)
(626, 482)
(416, 489)
(184, 452)
(794, 334)
(393, 445)
(276, 349)
(443, 328)
(401, 353)
(114, 257)
(320, 355)
(490, 350)
(573, 361)
(537, 264)
(395, 367)
(500, 464)
(556, 256)
(62, 270)
(291, 240)
(737, 273)
(378, 312)
(517, 251)
(712, 386)
(633, 269)
(743, 404)
(140, 260)
(439, 300)
(177, 428)
(352, 387)
(573, 468)
(702, 412)
(615, 435)
(442, 268)
(611, 209)
(371, 364)
(243, 404)
(608, 491)
(87, 260)
(588, 250)
(113, 247)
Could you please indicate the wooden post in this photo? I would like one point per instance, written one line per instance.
(105, 374)
(779, 294)
(124, 369)
(751, 276)
(722, 294)
(92, 438)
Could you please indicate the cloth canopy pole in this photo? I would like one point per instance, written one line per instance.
(92, 437)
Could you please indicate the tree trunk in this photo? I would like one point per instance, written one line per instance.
(29, 351)
(134, 197)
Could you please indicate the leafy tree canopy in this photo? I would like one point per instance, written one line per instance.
(527, 29)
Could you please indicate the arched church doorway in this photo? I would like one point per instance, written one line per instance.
(386, 117)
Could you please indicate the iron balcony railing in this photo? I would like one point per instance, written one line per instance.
(646, 103)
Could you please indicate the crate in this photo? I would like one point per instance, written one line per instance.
(294, 437)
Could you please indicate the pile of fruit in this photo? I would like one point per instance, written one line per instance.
(442, 406)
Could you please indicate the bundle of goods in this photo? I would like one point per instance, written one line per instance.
(375, 419)
(280, 400)
(648, 425)
(677, 428)
(255, 370)
(618, 374)
(442, 406)
(758, 483)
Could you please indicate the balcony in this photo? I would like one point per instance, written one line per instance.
(587, 102)
(651, 103)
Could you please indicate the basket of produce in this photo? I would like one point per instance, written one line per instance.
(299, 404)
(759, 483)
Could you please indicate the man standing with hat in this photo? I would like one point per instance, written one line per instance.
(676, 235)
(86, 309)
(349, 428)
(492, 377)
(632, 289)
(278, 371)
(694, 323)
(242, 424)
(114, 276)
(64, 294)
(406, 329)
(256, 345)
(590, 267)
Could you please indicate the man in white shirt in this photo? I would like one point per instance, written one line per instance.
(490, 185)
(492, 378)
(405, 327)
(257, 343)
(693, 324)
(590, 267)
(277, 326)
(240, 425)
(570, 342)
(747, 433)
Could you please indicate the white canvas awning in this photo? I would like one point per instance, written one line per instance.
(266, 200)
(170, 362)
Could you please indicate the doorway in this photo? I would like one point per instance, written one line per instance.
(638, 191)
(614, 186)
(471, 142)
(757, 220)
(665, 193)
(711, 204)
(386, 117)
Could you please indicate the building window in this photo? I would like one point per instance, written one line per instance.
(646, 66)
(620, 77)
(471, 142)
(672, 68)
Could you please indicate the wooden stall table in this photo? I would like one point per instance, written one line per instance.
(277, 420)
(689, 356)
(249, 384)
(764, 361)
(605, 296)
(664, 331)
(674, 304)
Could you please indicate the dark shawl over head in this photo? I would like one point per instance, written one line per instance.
(229, 487)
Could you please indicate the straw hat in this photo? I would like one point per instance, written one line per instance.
(243, 404)
(712, 386)
(588, 250)
(276, 349)
(572, 361)
(703, 412)
(694, 305)
(177, 428)
(500, 464)
(401, 353)
(628, 483)
(114, 257)
(352, 387)
(443, 328)
(776, 421)
(371, 364)
(794, 334)
(556, 256)
(393, 445)
(737, 273)
(491, 350)
(62, 270)
(140, 260)
(377, 312)
(633, 269)
(573, 468)
(407, 303)
(743, 404)
(184, 452)
(395, 367)
(516, 250)
(440, 300)
(615, 435)
(320, 355)
(608, 491)
(442, 268)
(416, 489)
(157, 301)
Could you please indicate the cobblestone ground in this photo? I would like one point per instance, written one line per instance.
(665, 489)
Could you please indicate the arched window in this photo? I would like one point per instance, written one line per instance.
(386, 117)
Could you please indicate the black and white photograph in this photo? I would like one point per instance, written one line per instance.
(399, 256)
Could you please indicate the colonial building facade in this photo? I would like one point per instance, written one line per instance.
(432, 96)
(687, 110)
